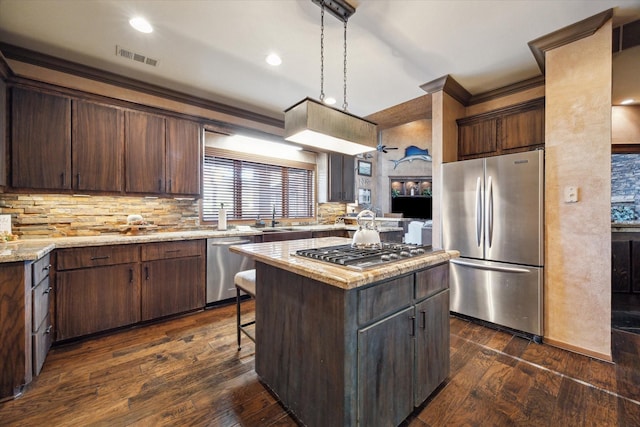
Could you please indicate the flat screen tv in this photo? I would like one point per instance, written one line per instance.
(418, 207)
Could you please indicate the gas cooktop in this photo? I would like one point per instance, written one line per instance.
(360, 259)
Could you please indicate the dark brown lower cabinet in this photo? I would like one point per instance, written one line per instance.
(97, 299)
(15, 328)
(171, 286)
(620, 266)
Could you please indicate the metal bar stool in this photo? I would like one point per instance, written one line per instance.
(245, 281)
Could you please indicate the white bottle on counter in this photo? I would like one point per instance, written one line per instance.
(222, 218)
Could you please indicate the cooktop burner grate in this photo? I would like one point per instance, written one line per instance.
(360, 259)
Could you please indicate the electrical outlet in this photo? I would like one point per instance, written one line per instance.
(570, 194)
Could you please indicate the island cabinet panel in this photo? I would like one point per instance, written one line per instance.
(432, 336)
(173, 278)
(144, 152)
(96, 299)
(98, 147)
(40, 140)
(352, 357)
(306, 356)
(15, 328)
(385, 363)
(378, 301)
(184, 157)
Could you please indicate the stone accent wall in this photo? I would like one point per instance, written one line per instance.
(328, 212)
(55, 215)
(625, 187)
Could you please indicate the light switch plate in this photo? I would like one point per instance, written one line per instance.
(570, 194)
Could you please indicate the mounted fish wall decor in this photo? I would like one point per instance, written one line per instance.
(412, 153)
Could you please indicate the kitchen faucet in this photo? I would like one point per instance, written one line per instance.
(273, 218)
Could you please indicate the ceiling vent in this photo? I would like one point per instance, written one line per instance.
(137, 57)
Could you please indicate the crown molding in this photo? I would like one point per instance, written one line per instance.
(507, 90)
(566, 35)
(5, 70)
(42, 60)
(450, 86)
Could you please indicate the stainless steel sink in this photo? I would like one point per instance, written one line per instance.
(278, 230)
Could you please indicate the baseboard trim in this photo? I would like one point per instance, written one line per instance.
(580, 350)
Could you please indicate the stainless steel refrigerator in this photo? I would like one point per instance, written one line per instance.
(492, 212)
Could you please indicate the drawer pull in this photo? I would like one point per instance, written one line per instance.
(48, 331)
(46, 291)
(94, 258)
(423, 319)
(412, 319)
(172, 251)
(46, 268)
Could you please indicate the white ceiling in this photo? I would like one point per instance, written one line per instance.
(215, 49)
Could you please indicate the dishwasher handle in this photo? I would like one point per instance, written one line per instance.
(229, 243)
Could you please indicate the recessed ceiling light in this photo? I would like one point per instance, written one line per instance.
(330, 100)
(273, 59)
(141, 24)
(627, 101)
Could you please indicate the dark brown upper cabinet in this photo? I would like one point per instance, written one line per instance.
(40, 140)
(184, 157)
(144, 152)
(341, 178)
(98, 144)
(509, 130)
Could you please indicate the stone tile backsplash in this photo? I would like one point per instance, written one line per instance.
(55, 215)
(625, 187)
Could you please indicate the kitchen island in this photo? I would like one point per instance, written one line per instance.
(342, 347)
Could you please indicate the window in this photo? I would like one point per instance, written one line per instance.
(250, 189)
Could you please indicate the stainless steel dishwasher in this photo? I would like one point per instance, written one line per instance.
(222, 266)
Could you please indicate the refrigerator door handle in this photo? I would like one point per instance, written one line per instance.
(479, 209)
(490, 267)
(489, 217)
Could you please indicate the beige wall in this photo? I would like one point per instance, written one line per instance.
(417, 133)
(578, 235)
(444, 149)
(625, 122)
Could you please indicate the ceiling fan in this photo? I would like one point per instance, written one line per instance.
(384, 148)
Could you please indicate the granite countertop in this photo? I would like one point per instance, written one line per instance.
(279, 254)
(31, 249)
(625, 227)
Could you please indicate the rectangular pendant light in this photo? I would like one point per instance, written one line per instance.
(312, 123)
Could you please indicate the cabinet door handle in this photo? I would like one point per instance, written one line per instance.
(412, 320)
(46, 291)
(78, 179)
(94, 258)
(169, 186)
(62, 179)
(160, 185)
(146, 273)
(46, 268)
(131, 275)
(423, 319)
(48, 331)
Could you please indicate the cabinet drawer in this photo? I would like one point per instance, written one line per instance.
(432, 280)
(93, 256)
(382, 299)
(40, 303)
(42, 339)
(41, 268)
(168, 250)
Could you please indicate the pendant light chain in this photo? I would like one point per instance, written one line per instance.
(322, 52)
(344, 101)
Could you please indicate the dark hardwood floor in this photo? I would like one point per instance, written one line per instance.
(188, 372)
